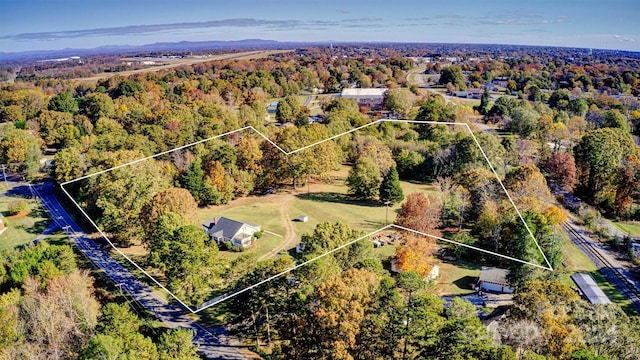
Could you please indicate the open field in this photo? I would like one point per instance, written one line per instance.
(23, 228)
(172, 63)
(321, 202)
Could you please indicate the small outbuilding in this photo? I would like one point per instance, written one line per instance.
(589, 289)
(494, 279)
(303, 218)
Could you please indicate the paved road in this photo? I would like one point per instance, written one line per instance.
(173, 316)
(307, 101)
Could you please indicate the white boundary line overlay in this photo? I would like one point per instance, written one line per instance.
(227, 296)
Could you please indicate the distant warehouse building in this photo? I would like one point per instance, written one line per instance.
(372, 98)
(589, 289)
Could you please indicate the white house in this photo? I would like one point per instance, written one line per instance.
(494, 280)
(222, 229)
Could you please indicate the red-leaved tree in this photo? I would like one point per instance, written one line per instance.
(420, 213)
(562, 168)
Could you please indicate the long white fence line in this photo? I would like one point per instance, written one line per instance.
(230, 295)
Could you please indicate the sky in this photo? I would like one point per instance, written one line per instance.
(27, 25)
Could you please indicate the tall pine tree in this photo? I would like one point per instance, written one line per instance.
(390, 189)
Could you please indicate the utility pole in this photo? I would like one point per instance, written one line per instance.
(4, 176)
(386, 214)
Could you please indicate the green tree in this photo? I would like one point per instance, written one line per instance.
(329, 236)
(177, 344)
(452, 74)
(63, 102)
(598, 156)
(364, 179)
(523, 122)
(128, 88)
(436, 109)
(119, 337)
(284, 112)
(192, 180)
(614, 119)
(69, 164)
(390, 189)
(400, 102)
(483, 108)
(97, 105)
(20, 150)
(192, 267)
(122, 194)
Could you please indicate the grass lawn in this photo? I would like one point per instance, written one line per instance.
(575, 260)
(331, 202)
(456, 277)
(325, 202)
(628, 227)
(22, 228)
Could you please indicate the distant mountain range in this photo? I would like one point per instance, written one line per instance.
(161, 46)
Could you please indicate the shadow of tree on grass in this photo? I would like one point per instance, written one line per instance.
(335, 197)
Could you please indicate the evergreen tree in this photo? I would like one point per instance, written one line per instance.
(390, 189)
(484, 102)
(191, 179)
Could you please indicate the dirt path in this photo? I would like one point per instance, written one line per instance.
(290, 237)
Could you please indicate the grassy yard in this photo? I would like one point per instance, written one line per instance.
(331, 202)
(456, 277)
(320, 202)
(22, 228)
(628, 227)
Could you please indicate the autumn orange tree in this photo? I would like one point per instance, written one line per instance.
(416, 255)
(176, 200)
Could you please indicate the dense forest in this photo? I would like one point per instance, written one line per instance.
(559, 120)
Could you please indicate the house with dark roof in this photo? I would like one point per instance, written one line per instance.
(494, 280)
(239, 233)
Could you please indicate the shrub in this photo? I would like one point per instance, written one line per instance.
(17, 206)
(257, 234)
(232, 247)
